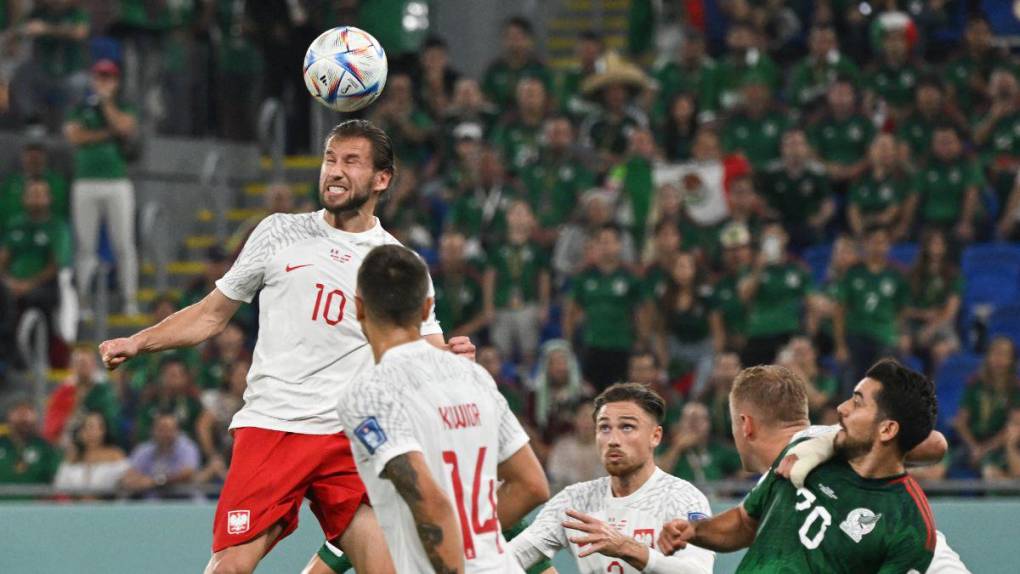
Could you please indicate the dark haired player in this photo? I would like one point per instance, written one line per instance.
(288, 442)
(443, 458)
(859, 512)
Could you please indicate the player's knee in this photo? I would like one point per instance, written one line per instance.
(232, 564)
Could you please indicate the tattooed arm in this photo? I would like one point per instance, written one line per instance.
(432, 511)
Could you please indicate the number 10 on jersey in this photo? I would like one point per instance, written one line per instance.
(332, 308)
(466, 528)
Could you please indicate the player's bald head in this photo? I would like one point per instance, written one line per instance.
(393, 285)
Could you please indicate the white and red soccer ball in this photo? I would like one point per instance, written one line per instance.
(345, 68)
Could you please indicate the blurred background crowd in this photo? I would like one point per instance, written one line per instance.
(705, 186)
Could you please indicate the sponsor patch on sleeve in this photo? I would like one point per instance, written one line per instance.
(696, 516)
(370, 434)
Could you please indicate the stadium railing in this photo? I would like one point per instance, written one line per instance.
(32, 339)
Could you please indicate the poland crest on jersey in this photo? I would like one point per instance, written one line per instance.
(238, 521)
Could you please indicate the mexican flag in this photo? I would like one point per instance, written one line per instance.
(704, 185)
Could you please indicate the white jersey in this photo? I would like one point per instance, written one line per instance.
(945, 560)
(419, 398)
(661, 499)
(310, 343)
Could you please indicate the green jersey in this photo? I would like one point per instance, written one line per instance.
(917, 130)
(458, 298)
(60, 56)
(796, 196)
(500, 81)
(100, 159)
(33, 245)
(482, 213)
(518, 268)
(933, 290)
(13, 188)
(943, 187)
(873, 195)
(553, 186)
(988, 408)
(894, 85)
(1004, 139)
(691, 324)
(811, 78)
(757, 138)
(736, 71)
(186, 408)
(702, 81)
(872, 302)
(605, 133)
(609, 301)
(34, 462)
(726, 300)
(839, 522)
(715, 461)
(777, 304)
(959, 74)
(842, 141)
(518, 142)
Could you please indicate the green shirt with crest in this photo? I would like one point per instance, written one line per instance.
(872, 302)
(609, 301)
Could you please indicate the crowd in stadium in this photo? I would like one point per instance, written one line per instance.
(817, 196)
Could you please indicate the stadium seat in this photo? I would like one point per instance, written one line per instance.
(950, 381)
(984, 254)
(991, 274)
(817, 258)
(904, 254)
(1006, 321)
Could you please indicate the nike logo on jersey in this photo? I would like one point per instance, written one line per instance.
(290, 268)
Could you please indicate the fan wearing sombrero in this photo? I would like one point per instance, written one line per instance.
(615, 87)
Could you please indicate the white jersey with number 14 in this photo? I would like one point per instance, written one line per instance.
(419, 398)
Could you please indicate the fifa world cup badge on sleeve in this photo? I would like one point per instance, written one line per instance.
(370, 434)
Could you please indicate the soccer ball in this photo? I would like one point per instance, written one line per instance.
(345, 69)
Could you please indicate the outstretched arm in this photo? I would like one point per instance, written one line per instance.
(433, 514)
(726, 532)
(185, 328)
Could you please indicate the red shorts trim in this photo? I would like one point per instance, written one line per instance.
(272, 471)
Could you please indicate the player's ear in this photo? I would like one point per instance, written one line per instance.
(657, 436)
(359, 307)
(382, 179)
(746, 425)
(888, 430)
(426, 309)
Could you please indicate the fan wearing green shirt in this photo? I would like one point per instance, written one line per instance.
(727, 307)
(692, 454)
(479, 209)
(997, 133)
(883, 195)
(813, 75)
(755, 130)
(55, 75)
(97, 129)
(894, 77)
(519, 135)
(34, 165)
(743, 58)
(842, 134)
(868, 322)
(936, 291)
(398, 114)
(990, 398)
(459, 300)
(693, 72)
(588, 49)
(174, 393)
(797, 189)
(26, 457)
(33, 250)
(518, 287)
(774, 291)
(968, 75)
(916, 131)
(607, 298)
(518, 60)
(948, 187)
(554, 182)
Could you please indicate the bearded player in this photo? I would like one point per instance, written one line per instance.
(770, 413)
(288, 443)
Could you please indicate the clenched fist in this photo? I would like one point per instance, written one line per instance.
(116, 351)
(674, 536)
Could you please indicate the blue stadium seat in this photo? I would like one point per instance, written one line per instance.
(817, 258)
(1006, 321)
(950, 381)
(982, 255)
(904, 254)
(991, 274)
